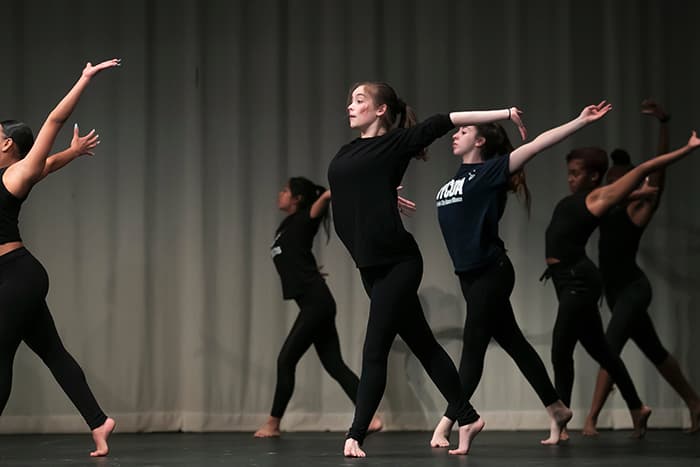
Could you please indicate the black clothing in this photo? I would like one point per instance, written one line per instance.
(9, 213)
(578, 288)
(291, 252)
(363, 178)
(568, 231)
(315, 326)
(24, 316)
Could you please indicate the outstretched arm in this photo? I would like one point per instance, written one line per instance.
(22, 175)
(79, 146)
(488, 116)
(601, 199)
(521, 155)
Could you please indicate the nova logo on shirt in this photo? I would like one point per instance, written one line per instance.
(451, 192)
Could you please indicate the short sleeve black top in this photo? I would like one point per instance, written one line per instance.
(570, 228)
(469, 208)
(363, 177)
(10, 206)
(618, 245)
(291, 252)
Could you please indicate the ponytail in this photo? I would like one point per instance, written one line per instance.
(308, 192)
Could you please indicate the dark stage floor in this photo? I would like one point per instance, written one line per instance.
(492, 448)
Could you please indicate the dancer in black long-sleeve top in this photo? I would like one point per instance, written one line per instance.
(363, 178)
(307, 207)
(627, 289)
(470, 207)
(577, 280)
(24, 315)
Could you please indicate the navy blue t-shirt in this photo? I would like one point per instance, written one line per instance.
(469, 208)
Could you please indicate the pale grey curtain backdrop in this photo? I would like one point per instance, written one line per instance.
(158, 247)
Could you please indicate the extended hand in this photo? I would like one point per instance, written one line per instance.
(515, 114)
(84, 145)
(592, 113)
(91, 70)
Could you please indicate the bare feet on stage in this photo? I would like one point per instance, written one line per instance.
(640, 417)
(589, 426)
(352, 449)
(100, 435)
(694, 421)
(271, 429)
(441, 435)
(375, 425)
(559, 415)
(467, 433)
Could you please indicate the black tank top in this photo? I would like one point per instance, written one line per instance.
(571, 226)
(618, 245)
(9, 213)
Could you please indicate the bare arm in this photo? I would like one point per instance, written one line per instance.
(520, 156)
(488, 116)
(640, 211)
(601, 199)
(22, 175)
(79, 146)
(320, 205)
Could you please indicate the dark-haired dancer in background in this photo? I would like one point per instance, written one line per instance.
(577, 280)
(363, 177)
(307, 207)
(627, 289)
(24, 315)
(470, 207)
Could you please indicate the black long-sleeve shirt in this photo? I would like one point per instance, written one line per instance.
(363, 178)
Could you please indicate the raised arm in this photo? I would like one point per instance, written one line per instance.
(521, 155)
(641, 209)
(22, 175)
(320, 205)
(488, 116)
(79, 146)
(601, 199)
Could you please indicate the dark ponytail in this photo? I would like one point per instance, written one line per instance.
(21, 135)
(497, 144)
(308, 192)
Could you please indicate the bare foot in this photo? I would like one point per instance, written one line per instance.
(560, 416)
(271, 429)
(640, 417)
(441, 435)
(352, 449)
(694, 422)
(589, 426)
(100, 435)
(375, 425)
(563, 436)
(467, 433)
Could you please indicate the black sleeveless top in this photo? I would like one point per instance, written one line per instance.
(9, 213)
(571, 226)
(617, 246)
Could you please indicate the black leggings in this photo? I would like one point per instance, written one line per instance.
(490, 315)
(578, 287)
(628, 304)
(24, 316)
(395, 309)
(315, 326)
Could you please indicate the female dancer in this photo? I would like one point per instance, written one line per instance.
(363, 177)
(627, 289)
(24, 315)
(307, 207)
(470, 206)
(576, 278)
